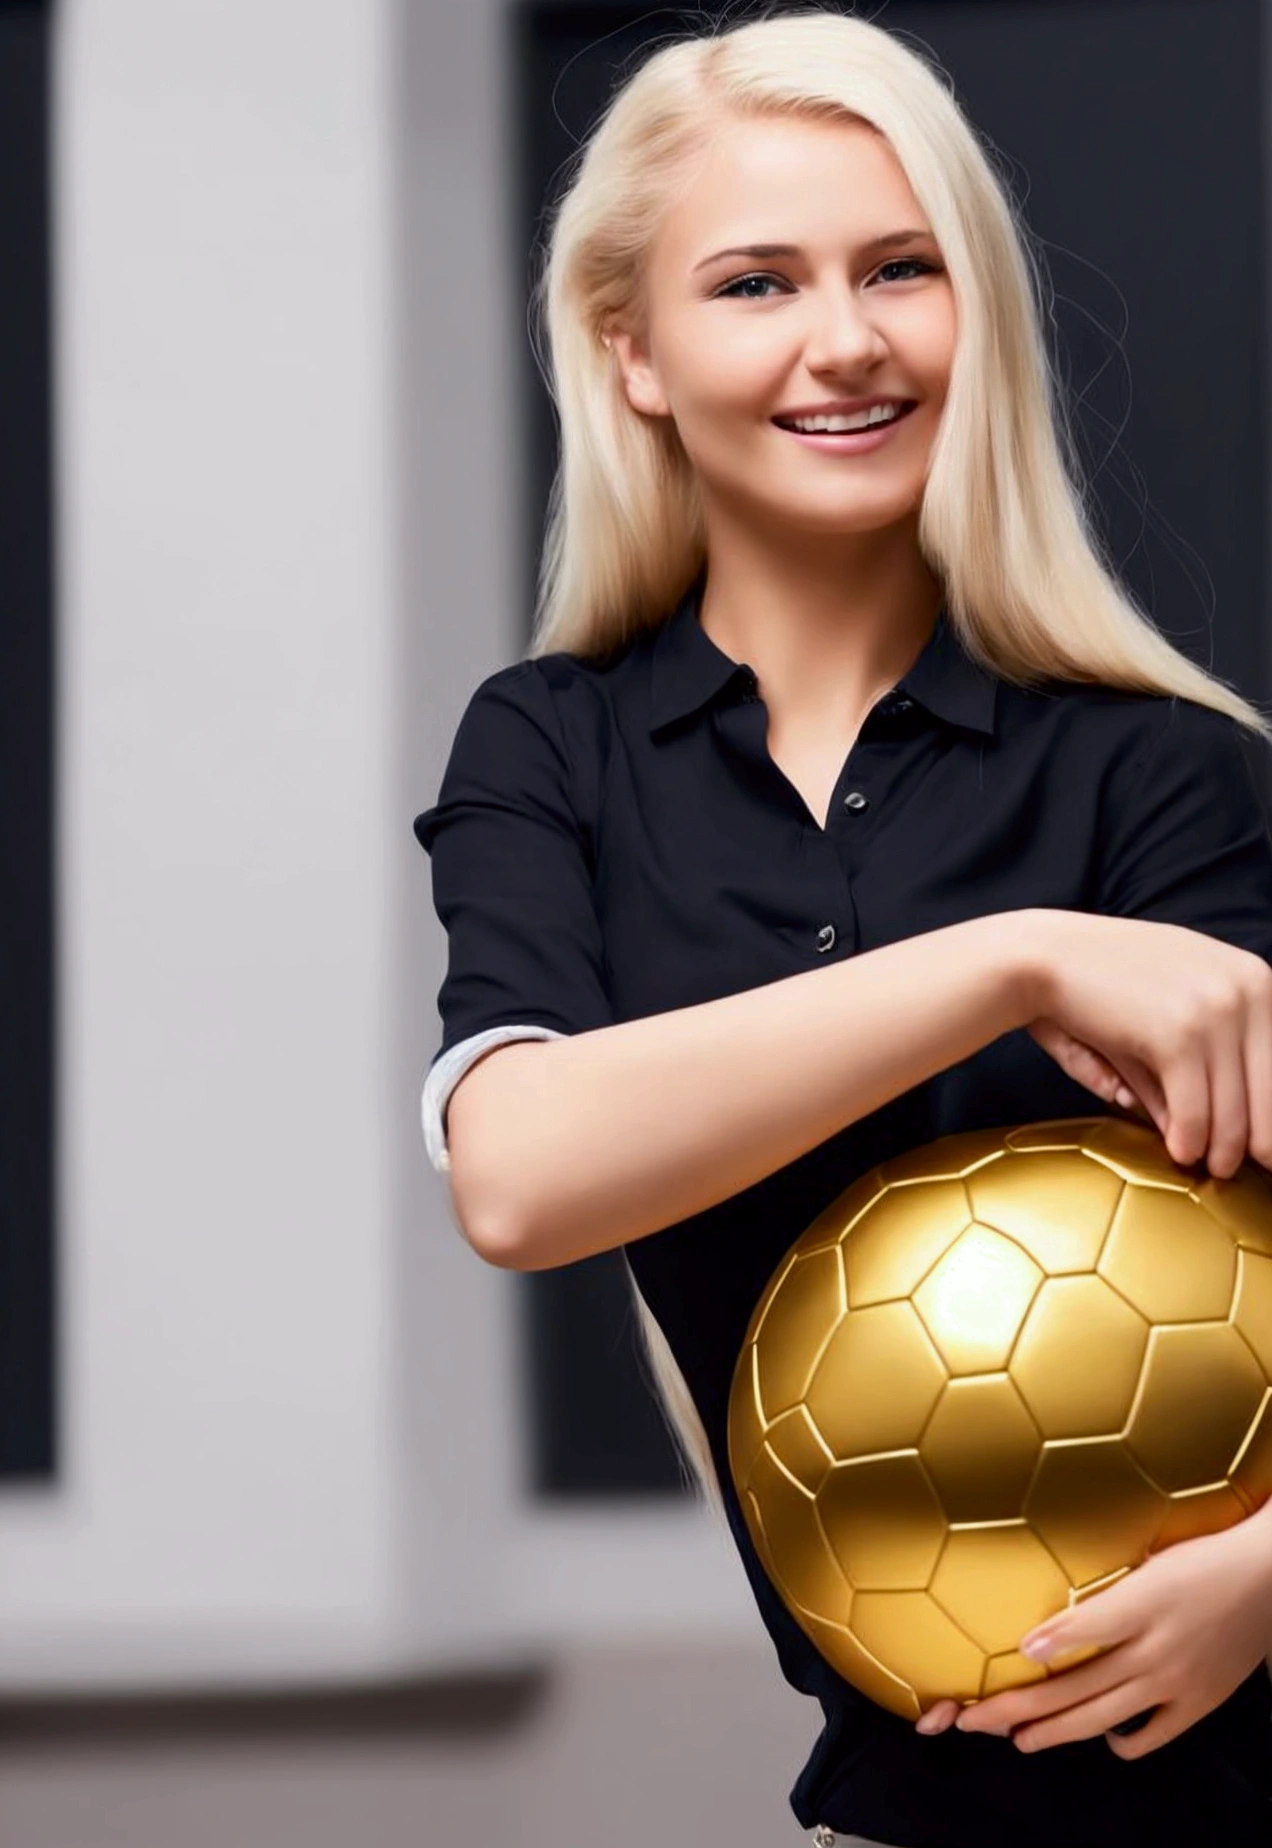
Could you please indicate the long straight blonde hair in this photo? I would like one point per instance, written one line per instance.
(1004, 522)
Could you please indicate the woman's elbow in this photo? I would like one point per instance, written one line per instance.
(489, 1209)
(484, 1215)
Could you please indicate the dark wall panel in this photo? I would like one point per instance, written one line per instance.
(26, 751)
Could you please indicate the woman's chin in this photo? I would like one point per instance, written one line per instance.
(844, 513)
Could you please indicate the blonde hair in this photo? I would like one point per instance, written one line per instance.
(1003, 523)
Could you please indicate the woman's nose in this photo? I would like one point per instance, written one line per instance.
(843, 331)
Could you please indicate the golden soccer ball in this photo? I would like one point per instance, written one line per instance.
(990, 1379)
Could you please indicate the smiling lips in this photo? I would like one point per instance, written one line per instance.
(848, 419)
(849, 442)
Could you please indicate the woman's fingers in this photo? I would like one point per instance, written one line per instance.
(939, 1717)
(1149, 1095)
(1086, 1719)
(1180, 1021)
(1258, 1070)
(1080, 1062)
(1213, 1099)
(1098, 1074)
(1186, 1084)
(1229, 1105)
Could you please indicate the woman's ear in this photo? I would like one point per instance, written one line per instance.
(636, 369)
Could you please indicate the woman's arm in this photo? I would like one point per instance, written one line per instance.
(559, 1150)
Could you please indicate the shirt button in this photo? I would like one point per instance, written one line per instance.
(855, 800)
(825, 938)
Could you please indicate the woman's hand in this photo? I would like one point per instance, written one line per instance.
(1181, 1020)
(1177, 1635)
(1092, 1069)
(1176, 1028)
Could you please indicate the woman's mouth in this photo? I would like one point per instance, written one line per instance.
(849, 442)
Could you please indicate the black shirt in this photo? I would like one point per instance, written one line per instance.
(612, 839)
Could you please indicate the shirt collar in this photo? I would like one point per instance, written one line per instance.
(688, 669)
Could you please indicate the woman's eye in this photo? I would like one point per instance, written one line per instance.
(729, 288)
(737, 284)
(909, 263)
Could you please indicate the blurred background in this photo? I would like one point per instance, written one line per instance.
(313, 1528)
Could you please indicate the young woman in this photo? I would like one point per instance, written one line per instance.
(844, 800)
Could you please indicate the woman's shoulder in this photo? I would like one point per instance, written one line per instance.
(601, 673)
(1112, 723)
(593, 695)
(558, 713)
(547, 688)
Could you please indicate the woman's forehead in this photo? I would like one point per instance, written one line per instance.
(820, 186)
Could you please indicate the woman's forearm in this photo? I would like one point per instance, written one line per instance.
(565, 1148)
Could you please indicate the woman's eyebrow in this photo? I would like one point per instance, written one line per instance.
(883, 242)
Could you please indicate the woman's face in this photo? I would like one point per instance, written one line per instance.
(736, 341)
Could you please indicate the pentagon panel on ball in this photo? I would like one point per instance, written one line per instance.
(991, 1378)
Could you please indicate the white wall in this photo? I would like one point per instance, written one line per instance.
(290, 1426)
(226, 830)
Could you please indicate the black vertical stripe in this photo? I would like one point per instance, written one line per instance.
(27, 1204)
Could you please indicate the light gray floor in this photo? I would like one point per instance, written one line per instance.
(659, 1748)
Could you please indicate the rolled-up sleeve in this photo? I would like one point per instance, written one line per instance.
(1187, 838)
(512, 886)
(445, 1073)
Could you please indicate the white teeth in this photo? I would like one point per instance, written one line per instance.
(858, 420)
